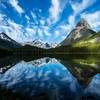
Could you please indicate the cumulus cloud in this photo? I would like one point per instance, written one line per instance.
(34, 26)
(30, 31)
(40, 32)
(16, 6)
(46, 30)
(79, 7)
(71, 20)
(21, 33)
(93, 19)
(16, 31)
(65, 28)
(43, 31)
(11, 28)
(54, 10)
(57, 6)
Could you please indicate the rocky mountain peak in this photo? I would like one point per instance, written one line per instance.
(81, 31)
(4, 36)
(38, 43)
(83, 24)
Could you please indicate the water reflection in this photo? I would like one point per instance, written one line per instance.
(94, 86)
(51, 79)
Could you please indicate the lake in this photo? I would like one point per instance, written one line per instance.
(50, 78)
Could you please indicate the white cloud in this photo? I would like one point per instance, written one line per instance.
(40, 32)
(42, 22)
(71, 20)
(13, 30)
(66, 28)
(14, 3)
(77, 9)
(48, 21)
(93, 19)
(27, 17)
(57, 33)
(20, 33)
(33, 15)
(34, 18)
(16, 31)
(1, 17)
(46, 30)
(47, 33)
(30, 31)
(43, 31)
(28, 21)
(41, 26)
(56, 9)
(14, 25)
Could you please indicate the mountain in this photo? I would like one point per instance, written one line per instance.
(82, 30)
(43, 61)
(7, 43)
(47, 45)
(92, 43)
(93, 39)
(39, 43)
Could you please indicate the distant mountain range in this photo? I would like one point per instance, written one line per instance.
(38, 43)
(6, 43)
(43, 61)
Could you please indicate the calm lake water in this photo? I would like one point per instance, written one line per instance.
(50, 79)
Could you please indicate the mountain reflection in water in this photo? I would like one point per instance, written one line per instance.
(50, 79)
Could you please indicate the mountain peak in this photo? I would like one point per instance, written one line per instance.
(83, 24)
(7, 43)
(38, 43)
(4, 36)
(81, 31)
(38, 40)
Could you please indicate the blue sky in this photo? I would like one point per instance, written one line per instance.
(48, 20)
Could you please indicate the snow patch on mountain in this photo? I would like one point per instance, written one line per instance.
(39, 43)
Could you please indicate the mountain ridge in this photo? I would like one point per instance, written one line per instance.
(39, 43)
(7, 43)
(81, 31)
